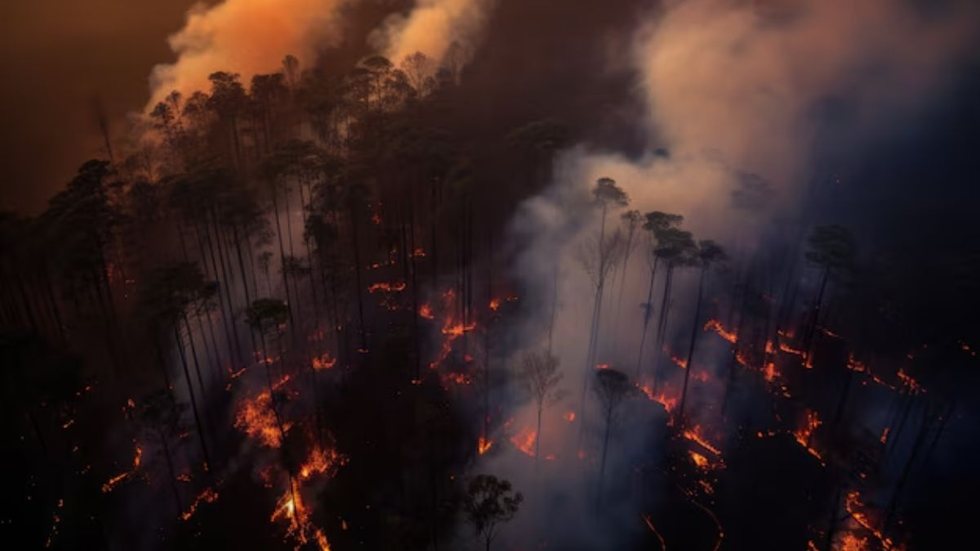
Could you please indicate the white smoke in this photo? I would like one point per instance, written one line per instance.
(432, 27)
(247, 37)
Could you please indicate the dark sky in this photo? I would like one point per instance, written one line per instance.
(56, 56)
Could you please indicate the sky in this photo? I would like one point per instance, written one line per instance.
(56, 57)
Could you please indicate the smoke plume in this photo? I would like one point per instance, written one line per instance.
(246, 37)
(432, 27)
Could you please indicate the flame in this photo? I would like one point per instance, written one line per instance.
(681, 362)
(524, 441)
(717, 327)
(850, 542)
(908, 381)
(292, 510)
(425, 312)
(769, 347)
(319, 462)
(602, 366)
(699, 460)
(884, 435)
(852, 504)
(207, 496)
(483, 445)
(324, 361)
(769, 372)
(790, 350)
(257, 420)
(803, 434)
(668, 402)
(695, 435)
(119, 478)
(569, 416)
(385, 287)
(495, 304)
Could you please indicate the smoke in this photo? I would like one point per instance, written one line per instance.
(747, 101)
(433, 27)
(247, 37)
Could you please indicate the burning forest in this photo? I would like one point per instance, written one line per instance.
(502, 274)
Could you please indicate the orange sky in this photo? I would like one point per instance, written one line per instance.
(55, 57)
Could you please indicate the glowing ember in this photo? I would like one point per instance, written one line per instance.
(207, 496)
(909, 382)
(324, 361)
(884, 435)
(852, 504)
(384, 287)
(805, 432)
(769, 372)
(695, 435)
(119, 478)
(483, 445)
(717, 327)
(699, 460)
(524, 441)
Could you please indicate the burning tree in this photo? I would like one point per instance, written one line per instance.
(488, 503)
(708, 252)
(612, 388)
(540, 376)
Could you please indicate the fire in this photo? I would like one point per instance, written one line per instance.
(850, 542)
(909, 382)
(681, 362)
(602, 366)
(790, 350)
(324, 361)
(668, 402)
(495, 304)
(702, 376)
(319, 462)
(854, 365)
(524, 441)
(119, 478)
(717, 327)
(385, 287)
(699, 460)
(425, 312)
(852, 504)
(483, 445)
(257, 420)
(207, 496)
(769, 347)
(884, 435)
(694, 435)
(290, 508)
(803, 434)
(769, 372)
(457, 329)
(569, 416)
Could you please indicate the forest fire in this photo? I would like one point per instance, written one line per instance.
(356, 270)
(719, 329)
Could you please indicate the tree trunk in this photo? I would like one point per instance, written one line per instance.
(694, 340)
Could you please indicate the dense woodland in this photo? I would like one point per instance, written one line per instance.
(288, 314)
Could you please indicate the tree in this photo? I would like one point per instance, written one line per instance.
(708, 253)
(488, 503)
(540, 376)
(612, 388)
(833, 249)
(160, 418)
(656, 223)
(674, 248)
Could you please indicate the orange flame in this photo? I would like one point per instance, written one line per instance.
(324, 361)
(483, 445)
(569, 416)
(695, 435)
(803, 434)
(385, 287)
(524, 441)
(717, 327)
(207, 496)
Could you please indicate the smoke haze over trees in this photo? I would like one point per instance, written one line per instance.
(493, 274)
